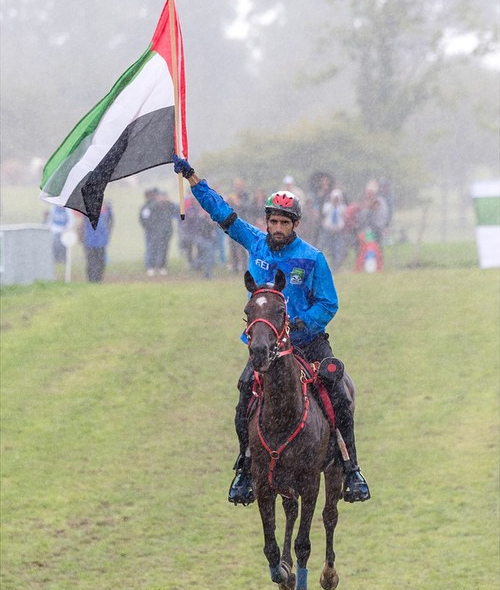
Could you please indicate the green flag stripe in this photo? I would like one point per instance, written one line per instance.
(487, 210)
(91, 120)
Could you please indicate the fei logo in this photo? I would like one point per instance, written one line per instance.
(262, 263)
(297, 276)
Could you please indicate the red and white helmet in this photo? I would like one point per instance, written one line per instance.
(284, 203)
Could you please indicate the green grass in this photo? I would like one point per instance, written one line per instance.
(118, 441)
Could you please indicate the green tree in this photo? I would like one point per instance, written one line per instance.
(341, 146)
(398, 48)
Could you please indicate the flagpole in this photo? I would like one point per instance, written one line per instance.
(175, 76)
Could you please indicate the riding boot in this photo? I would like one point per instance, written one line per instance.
(355, 485)
(241, 489)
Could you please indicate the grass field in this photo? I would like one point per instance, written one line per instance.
(118, 442)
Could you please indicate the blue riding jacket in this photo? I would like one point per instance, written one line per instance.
(310, 291)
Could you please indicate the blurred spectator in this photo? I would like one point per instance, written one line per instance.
(221, 247)
(332, 234)
(156, 217)
(145, 219)
(385, 192)
(95, 242)
(59, 220)
(187, 230)
(374, 214)
(321, 185)
(289, 185)
(369, 256)
(206, 244)
(352, 227)
(259, 205)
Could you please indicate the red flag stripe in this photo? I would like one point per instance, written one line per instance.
(162, 45)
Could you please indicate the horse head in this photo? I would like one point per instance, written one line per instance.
(267, 322)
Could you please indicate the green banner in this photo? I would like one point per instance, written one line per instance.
(487, 210)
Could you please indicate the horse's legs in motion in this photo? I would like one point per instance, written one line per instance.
(333, 486)
(303, 541)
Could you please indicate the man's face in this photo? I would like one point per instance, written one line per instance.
(280, 227)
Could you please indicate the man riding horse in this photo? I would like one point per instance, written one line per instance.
(311, 302)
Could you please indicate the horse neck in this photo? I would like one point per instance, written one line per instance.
(283, 399)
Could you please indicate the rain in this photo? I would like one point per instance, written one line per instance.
(122, 346)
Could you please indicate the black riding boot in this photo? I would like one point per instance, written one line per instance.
(241, 489)
(355, 486)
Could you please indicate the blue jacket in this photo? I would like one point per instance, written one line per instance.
(310, 291)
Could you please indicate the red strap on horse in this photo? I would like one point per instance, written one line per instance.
(275, 455)
(312, 370)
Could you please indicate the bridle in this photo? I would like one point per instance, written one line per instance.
(282, 338)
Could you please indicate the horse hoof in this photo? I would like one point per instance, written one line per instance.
(287, 583)
(281, 574)
(329, 579)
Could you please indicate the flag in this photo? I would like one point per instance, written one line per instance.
(131, 129)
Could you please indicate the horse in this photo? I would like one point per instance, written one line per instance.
(289, 439)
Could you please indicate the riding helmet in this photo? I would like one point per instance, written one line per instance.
(284, 203)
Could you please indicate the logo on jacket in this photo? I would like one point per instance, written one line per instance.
(297, 276)
(262, 263)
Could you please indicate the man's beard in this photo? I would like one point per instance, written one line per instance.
(275, 246)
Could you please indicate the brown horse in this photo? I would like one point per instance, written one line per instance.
(289, 438)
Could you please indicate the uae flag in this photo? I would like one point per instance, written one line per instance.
(131, 129)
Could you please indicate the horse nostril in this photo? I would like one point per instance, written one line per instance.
(259, 355)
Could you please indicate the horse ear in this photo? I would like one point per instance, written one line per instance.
(280, 280)
(250, 283)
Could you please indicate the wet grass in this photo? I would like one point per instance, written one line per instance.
(118, 442)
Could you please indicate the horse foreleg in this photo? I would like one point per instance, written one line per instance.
(333, 485)
(303, 541)
(291, 508)
(267, 509)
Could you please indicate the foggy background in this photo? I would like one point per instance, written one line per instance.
(403, 90)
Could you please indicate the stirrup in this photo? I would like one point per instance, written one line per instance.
(241, 488)
(355, 487)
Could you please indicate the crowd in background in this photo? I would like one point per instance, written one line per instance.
(334, 223)
(330, 221)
